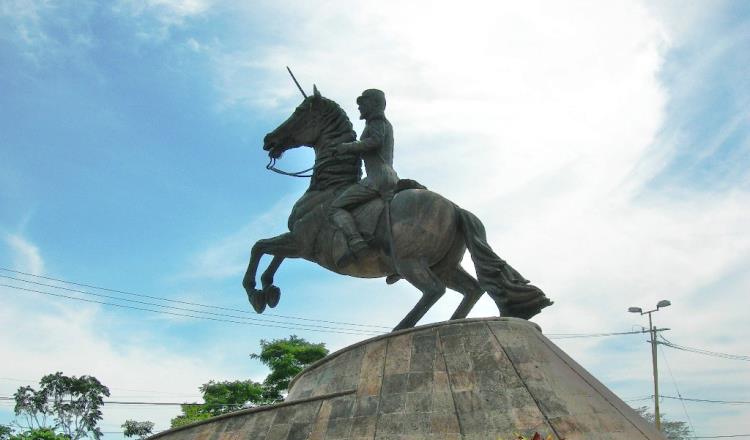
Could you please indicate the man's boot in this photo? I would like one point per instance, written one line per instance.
(356, 244)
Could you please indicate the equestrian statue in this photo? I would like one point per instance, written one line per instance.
(379, 225)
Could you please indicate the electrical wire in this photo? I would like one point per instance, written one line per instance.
(596, 335)
(674, 382)
(163, 393)
(727, 402)
(181, 314)
(91, 286)
(181, 308)
(224, 315)
(128, 402)
(722, 436)
(737, 357)
(10, 399)
(638, 399)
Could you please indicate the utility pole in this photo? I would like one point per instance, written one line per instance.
(652, 331)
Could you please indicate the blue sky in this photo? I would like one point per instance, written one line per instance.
(610, 143)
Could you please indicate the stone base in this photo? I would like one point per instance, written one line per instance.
(492, 378)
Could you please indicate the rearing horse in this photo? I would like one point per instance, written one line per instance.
(428, 233)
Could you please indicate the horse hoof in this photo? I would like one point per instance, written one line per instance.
(257, 300)
(272, 295)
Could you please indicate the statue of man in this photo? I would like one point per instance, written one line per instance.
(376, 148)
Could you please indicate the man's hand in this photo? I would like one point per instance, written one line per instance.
(339, 149)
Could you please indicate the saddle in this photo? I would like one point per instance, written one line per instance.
(368, 216)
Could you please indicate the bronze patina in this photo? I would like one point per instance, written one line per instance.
(379, 226)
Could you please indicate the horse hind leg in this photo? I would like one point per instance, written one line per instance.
(418, 273)
(465, 284)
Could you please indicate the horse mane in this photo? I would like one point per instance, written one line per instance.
(332, 171)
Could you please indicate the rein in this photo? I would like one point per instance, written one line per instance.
(272, 167)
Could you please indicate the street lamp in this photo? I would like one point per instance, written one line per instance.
(661, 304)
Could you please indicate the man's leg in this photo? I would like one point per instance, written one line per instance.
(342, 218)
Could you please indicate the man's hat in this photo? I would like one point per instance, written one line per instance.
(374, 94)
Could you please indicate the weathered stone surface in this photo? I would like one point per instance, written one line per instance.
(467, 379)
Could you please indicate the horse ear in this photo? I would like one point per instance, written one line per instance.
(316, 93)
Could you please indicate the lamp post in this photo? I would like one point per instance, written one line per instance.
(652, 330)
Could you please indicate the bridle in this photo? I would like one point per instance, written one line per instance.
(271, 166)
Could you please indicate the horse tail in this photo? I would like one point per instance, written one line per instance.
(511, 292)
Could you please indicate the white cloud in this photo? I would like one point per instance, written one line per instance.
(133, 356)
(73, 340)
(156, 18)
(24, 255)
(46, 32)
(25, 19)
(554, 110)
(228, 257)
(557, 112)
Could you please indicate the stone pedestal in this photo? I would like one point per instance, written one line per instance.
(468, 379)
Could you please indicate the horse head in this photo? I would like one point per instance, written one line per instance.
(302, 128)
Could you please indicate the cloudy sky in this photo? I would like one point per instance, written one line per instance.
(605, 145)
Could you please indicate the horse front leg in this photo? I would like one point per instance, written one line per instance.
(271, 292)
(282, 246)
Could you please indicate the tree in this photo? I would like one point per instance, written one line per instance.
(222, 397)
(673, 430)
(5, 432)
(39, 434)
(190, 414)
(132, 428)
(285, 357)
(72, 402)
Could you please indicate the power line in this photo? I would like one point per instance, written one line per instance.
(182, 308)
(130, 402)
(638, 399)
(690, 399)
(182, 314)
(682, 401)
(10, 399)
(339, 329)
(704, 352)
(164, 393)
(722, 436)
(119, 402)
(596, 335)
(727, 402)
(185, 302)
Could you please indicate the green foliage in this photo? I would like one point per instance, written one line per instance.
(5, 432)
(222, 397)
(227, 396)
(285, 357)
(33, 434)
(190, 414)
(132, 428)
(672, 430)
(73, 403)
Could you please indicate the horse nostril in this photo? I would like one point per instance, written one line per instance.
(267, 142)
(274, 153)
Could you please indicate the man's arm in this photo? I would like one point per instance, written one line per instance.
(373, 138)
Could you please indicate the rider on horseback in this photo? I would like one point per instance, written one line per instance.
(376, 147)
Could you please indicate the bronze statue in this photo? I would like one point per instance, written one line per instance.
(376, 149)
(379, 226)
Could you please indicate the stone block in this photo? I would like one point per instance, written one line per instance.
(475, 379)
